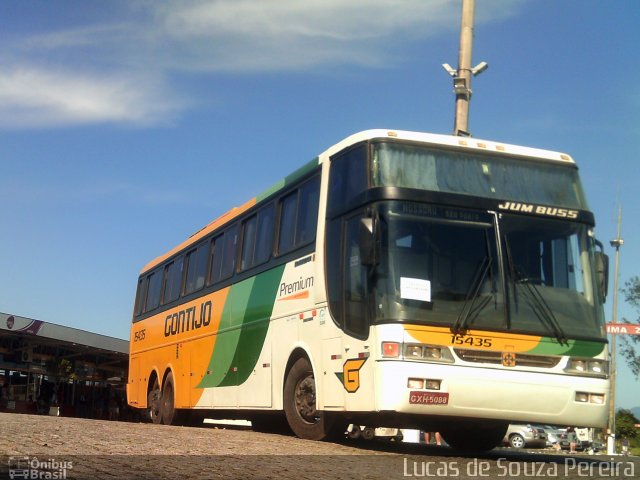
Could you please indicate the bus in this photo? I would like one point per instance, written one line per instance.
(399, 279)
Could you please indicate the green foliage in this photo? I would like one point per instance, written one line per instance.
(62, 370)
(628, 349)
(625, 426)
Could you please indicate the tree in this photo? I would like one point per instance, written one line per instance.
(626, 425)
(628, 351)
(62, 371)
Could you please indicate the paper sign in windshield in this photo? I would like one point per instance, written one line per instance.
(415, 289)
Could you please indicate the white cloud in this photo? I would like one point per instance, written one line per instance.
(258, 35)
(120, 71)
(31, 96)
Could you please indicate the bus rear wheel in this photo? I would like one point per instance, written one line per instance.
(168, 410)
(154, 403)
(303, 417)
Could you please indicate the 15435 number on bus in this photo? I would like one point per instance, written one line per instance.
(471, 341)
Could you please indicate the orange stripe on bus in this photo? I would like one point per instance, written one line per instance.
(221, 220)
(296, 296)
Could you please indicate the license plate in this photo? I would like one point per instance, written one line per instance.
(429, 398)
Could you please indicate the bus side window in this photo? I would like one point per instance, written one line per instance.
(229, 252)
(140, 295)
(264, 240)
(248, 242)
(355, 281)
(153, 291)
(257, 238)
(299, 216)
(172, 281)
(287, 232)
(307, 220)
(346, 276)
(348, 178)
(196, 268)
(215, 259)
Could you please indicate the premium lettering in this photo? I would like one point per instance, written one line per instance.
(293, 287)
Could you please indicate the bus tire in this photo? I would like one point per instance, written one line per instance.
(154, 402)
(300, 403)
(369, 433)
(168, 409)
(270, 423)
(355, 432)
(474, 436)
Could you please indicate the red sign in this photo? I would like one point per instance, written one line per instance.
(623, 328)
(429, 398)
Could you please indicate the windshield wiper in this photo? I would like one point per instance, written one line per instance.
(534, 298)
(471, 307)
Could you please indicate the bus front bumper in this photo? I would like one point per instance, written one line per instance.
(491, 393)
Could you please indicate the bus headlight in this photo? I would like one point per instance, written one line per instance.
(428, 353)
(413, 351)
(585, 397)
(587, 367)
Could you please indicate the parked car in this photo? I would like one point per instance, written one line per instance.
(521, 435)
(369, 433)
(553, 434)
(566, 437)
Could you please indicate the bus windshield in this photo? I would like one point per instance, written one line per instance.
(467, 269)
(490, 176)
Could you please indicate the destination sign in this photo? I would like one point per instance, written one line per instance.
(623, 329)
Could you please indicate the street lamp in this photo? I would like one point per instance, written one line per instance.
(463, 74)
(611, 440)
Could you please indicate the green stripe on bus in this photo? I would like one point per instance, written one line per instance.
(220, 364)
(257, 315)
(289, 179)
(243, 328)
(576, 348)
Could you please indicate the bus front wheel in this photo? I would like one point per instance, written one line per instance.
(303, 417)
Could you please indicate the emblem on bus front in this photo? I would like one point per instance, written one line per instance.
(350, 374)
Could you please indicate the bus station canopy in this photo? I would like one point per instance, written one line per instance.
(38, 347)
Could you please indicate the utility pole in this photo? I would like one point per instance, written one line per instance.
(611, 440)
(462, 76)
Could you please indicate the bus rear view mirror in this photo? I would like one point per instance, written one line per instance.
(602, 271)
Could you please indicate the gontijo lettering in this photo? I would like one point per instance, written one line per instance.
(186, 320)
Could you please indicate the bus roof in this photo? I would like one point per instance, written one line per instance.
(464, 143)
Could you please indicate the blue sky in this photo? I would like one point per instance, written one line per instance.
(127, 125)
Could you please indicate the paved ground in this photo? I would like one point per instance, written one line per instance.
(49, 447)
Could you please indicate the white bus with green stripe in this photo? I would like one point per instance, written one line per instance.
(399, 279)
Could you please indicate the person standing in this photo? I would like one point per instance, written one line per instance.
(572, 438)
(427, 438)
(625, 447)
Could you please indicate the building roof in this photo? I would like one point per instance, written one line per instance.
(33, 345)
